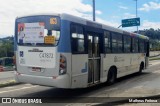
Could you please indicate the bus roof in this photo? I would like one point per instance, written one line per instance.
(99, 25)
(83, 21)
(38, 14)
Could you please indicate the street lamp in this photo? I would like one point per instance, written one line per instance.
(94, 10)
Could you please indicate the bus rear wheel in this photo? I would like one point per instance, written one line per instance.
(111, 76)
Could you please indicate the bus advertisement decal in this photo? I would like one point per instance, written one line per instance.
(31, 32)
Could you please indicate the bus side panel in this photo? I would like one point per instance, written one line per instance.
(79, 70)
(146, 62)
(113, 60)
(141, 59)
(64, 46)
(69, 71)
(103, 72)
(134, 62)
(125, 63)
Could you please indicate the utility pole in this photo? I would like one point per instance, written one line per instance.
(94, 19)
(136, 13)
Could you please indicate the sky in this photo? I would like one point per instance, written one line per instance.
(109, 12)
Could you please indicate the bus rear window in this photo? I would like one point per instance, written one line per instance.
(36, 34)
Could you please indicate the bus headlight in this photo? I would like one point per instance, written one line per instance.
(62, 65)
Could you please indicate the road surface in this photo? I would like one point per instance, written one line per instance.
(6, 76)
(146, 84)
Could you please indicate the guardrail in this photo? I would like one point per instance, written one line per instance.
(6, 68)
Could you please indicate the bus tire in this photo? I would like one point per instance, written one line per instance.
(141, 67)
(111, 76)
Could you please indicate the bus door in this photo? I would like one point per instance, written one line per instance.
(93, 58)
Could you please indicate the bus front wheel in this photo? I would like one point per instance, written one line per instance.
(111, 76)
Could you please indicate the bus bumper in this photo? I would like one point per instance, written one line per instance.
(59, 81)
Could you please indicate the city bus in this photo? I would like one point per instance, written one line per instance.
(65, 51)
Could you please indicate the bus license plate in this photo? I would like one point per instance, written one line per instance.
(35, 69)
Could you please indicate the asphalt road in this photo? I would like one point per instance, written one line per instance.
(6, 76)
(144, 85)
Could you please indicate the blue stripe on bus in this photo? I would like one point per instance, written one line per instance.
(65, 41)
(15, 37)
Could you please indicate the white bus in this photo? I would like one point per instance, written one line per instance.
(65, 51)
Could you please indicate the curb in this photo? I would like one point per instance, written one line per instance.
(9, 83)
(151, 59)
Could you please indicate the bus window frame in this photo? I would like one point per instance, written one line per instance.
(85, 37)
(130, 51)
(143, 42)
(117, 34)
(132, 45)
(109, 42)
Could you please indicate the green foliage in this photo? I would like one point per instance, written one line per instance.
(154, 36)
(6, 47)
(151, 33)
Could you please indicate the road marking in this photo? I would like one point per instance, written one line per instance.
(28, 84)
(126, 91)
(158, 71)
(137, 87)
(9, 87)
(17, 89)
(111, 89)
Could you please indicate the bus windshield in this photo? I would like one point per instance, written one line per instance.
(37, 34)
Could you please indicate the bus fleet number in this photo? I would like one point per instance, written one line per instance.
(46, 55)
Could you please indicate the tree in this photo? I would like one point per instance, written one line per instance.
(6, 47)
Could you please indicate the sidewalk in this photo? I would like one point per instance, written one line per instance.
(154, 53)
(7, 78)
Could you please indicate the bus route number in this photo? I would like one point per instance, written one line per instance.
(53, 20)
(46, 55)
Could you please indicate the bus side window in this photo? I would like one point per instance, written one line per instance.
(127, 44)
(134, 45)
(141, 46)
(77, 35)
(116, 43)
(107, 42)
(120, 43)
